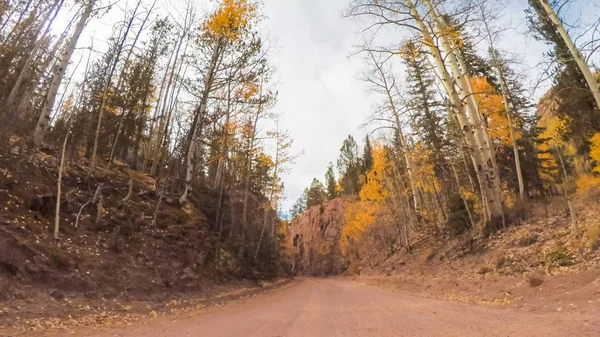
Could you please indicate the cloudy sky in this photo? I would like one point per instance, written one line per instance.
(320, 94)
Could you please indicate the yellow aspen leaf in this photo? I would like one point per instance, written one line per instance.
(230, 19)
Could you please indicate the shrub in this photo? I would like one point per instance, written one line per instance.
(559, 257)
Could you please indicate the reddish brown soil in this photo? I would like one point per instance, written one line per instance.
(117, 264)
(335, 307)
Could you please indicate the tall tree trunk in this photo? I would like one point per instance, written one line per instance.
(164, 122)
(272, 194)
(465, 90)
(583, 66)
(462, 197)
(208, 82)
(44, 120)
(121, 76)
(59, 184)
(33, 52)
(403, 144)
(115, 62)
(513, 138)
(467, 128)
(505, 99)
(574, 227)
(251, 144)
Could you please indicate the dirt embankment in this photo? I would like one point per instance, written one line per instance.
(115, 260)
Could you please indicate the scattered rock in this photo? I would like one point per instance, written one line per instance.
(484, 270)
(20, 295)
(596, 245)
(528, 240)
(536, 279)
(57, 295)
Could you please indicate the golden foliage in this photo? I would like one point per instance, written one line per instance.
(374, 188)
(358, 216)
(595, 151)
(552, 139)
(409, 51)
(423, 169)
(554, 129)
(548, 169)
(230, 19)
(510, 197)
(449, 33)
(492, 106)
(247, 91)
(587, 183)
(361, 214)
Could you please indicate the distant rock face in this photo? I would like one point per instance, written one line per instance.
(545, 109)
(314, 239)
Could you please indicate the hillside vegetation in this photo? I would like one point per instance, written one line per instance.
(463, 177)
(147, 175)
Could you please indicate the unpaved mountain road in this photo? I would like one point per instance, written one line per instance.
(333, 307)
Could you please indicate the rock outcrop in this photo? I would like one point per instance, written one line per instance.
(314, 239)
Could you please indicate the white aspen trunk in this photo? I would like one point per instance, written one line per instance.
(583, 66)
(574, 227)
(465, 90)
(461, 116)
(164, 122)
(251, 145)
(119, 82)
(273, 187)
(462, 197)
(105, 95)
(408, 161)
(26, 99)
(44, 120)
(59, 185)
(487, 147)
(505, 99)
(208, 82)
(512, 134)
(33, 52)
(156, 117)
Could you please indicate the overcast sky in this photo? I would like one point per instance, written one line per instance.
(320, 94)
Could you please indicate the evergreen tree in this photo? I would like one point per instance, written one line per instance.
(575, 102)
(349, 166)
(330, 182)
(424, 104)
(315, 194)
(300, 205)
(367, 159)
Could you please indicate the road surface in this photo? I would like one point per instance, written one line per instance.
(341, 308)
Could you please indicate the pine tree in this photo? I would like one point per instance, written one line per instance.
(315, 194)
(423, 101)
(575, 102)
(349, 166)
(330, 183)
(300, 205)
(367, 159)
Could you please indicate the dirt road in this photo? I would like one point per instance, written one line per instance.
(330, 307)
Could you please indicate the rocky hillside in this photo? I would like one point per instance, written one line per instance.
(314, 239)
(110, 255)
(542, 244)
